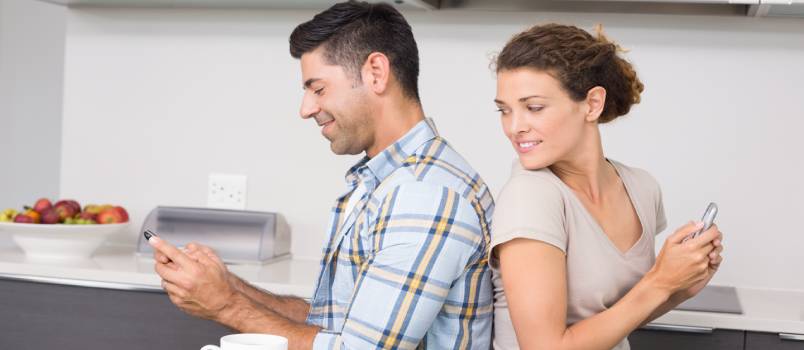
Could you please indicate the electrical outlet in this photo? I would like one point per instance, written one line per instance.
(226, 191)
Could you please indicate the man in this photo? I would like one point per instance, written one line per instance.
(405, 264)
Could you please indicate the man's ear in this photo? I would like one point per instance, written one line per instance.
(376, 72)
(595, 102)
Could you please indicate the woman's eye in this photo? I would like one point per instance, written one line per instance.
(501, 110)
(535, 108)
(318, 92)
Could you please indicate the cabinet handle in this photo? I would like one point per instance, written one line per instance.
(791, 336)
(677, 328)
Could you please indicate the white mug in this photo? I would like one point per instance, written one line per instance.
(250, 341)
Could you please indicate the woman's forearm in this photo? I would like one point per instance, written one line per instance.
(671, 303)
(606, 329)
(676, 299)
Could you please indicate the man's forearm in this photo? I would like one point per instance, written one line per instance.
(246, 316)
(290, 307)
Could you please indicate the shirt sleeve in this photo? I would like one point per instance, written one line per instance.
(529, 206)
(425, 238)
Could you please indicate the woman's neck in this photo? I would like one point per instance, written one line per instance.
(585, 170)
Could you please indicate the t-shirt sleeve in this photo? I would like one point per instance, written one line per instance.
(531, 207)
(661, 220)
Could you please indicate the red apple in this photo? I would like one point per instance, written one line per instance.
(65, 210)
(88, 216)
(42, 205)
(75, 205)
(123, 213)
(24, 219)
(50, 216)
(110, 216)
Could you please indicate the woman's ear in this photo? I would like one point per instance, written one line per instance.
(376, 72)
(595, 102)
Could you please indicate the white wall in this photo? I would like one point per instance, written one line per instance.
(155, 100)
(31, 69)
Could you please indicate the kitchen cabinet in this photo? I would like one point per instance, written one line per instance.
(672, 338)
(773, 341)
(52, 316)
(243, 4)
(681, 7)
(679, 337)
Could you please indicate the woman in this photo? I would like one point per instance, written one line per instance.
(573, 232)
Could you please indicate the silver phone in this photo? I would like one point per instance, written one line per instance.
(707, 219)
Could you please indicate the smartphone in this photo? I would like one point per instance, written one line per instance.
(707, 219)
(148, 234)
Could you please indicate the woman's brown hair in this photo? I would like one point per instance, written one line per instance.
(578, 61)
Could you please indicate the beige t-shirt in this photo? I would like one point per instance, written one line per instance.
(538, 205)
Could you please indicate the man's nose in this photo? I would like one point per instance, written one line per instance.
(309, 107)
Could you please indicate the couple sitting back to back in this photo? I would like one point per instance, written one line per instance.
(417, 256)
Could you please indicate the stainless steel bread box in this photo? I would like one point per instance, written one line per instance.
(237, 236)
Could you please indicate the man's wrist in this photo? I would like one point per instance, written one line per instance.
(234, 282)
(236, 304)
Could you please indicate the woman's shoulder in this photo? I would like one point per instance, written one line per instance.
(638, 176)
(524, 180)
(531, 205)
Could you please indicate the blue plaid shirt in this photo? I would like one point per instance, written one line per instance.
(408, 266)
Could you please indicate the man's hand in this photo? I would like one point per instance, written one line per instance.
(196, 280)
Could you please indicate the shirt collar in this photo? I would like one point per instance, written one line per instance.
(394, 156)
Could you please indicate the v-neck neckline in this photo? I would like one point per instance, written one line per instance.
(597, 227)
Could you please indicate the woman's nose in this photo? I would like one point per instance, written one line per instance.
(518, 124)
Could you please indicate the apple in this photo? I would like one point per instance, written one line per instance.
(33, 214)
(123, 213)
(42, 204)
(93, 209)
(8, 215)
(50, 216)
(65, 210)
(85, 215)
(75, 205)
(71, 203)
(24, 219)
(110, 216)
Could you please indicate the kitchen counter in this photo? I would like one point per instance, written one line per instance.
(118, 267)
(764, 310)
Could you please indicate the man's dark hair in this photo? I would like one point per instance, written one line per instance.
(350, 31)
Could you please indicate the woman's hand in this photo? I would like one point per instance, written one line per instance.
(687, 265)
(714, 263)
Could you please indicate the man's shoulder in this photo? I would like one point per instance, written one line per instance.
(435, 164)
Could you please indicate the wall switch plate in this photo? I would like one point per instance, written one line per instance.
(226, 191)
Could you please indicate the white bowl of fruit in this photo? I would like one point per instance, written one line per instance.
(62, 230)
